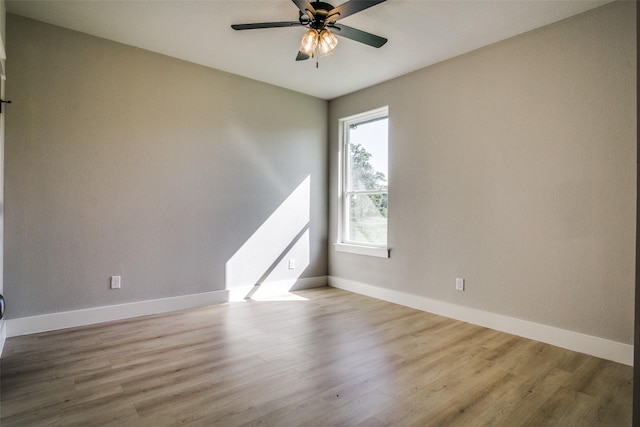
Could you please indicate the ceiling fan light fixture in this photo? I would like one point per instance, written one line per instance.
(309, 42)
(318, 17)
(327, 41)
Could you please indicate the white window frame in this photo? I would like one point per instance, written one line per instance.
(343, 244)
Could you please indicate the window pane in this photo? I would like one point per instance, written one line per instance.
(368, 165)
(368, 218)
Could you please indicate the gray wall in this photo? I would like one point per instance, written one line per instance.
(514, 166)
(124, 162)
(3, 34)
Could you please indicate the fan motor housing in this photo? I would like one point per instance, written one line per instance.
(319, 19)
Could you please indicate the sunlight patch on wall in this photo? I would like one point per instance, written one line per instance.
(276, 286)
(260, 269)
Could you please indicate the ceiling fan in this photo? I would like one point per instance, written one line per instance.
(320, 18)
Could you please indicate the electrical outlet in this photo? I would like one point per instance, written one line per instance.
(292, 264)
(115, 282)
(459, 284)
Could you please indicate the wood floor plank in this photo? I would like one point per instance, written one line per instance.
(331, 358)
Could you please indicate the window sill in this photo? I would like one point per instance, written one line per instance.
(362, 250)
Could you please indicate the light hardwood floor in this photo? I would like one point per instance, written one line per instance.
(334, 359)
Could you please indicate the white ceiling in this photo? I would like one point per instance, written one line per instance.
(420, 33)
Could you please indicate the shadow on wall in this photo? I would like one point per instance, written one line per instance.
(272, 260)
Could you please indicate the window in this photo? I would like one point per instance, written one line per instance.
(365, 183)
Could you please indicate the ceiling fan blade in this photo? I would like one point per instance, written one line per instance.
(351, 7)
(305, 7)
(302, 56)
(357, 35)
(265, 25)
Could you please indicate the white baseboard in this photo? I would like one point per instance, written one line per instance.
(594, 346)
(89, 316)
(310, 283)
(240, 293)
(70, 319)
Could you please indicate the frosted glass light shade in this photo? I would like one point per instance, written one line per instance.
(327, 41)
(309, 42)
